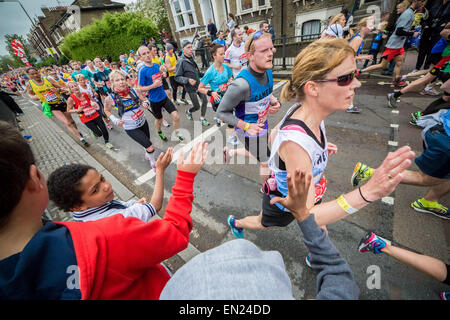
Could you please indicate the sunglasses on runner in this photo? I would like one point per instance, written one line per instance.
(255, 36)
(344, 80)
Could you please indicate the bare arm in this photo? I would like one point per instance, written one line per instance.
(71, 106)
(30, 93)
(162, 163)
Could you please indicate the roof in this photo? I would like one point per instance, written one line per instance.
(97, 4)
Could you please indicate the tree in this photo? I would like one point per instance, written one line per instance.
(6, 61)
(111, 36)
(152, 9)
(9, 38)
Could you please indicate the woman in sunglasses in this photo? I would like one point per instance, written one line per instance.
(323, 82)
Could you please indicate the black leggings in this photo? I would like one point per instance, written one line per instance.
(141, 135)
(174, 84)
(435, 106)
(98, 127)
(196, 103)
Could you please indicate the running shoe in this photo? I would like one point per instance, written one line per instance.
(372, 242)
(165, 123)
(217, 121)
(414, 123)
(430, 92)
(237, 232)
(416, 115)
(151, 161)
(93, 134)
(109, 145)
(189, 115)
(233, 140)
(412, 72)
(398, 84)
(110, 127)
(205, 123)
(308, 259)
(353, 110)
(361, 173)
(184, 101)
(445, 295)
(162, 136)
(180, 137)
(432, 207)
(226, 155)
(392, 100)
(84, 142)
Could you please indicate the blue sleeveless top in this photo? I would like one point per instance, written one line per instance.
(360, 47)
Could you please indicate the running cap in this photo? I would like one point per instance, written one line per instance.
(185, 43)
(335, 30)
(213, 274)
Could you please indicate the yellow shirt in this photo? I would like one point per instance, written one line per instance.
(156, 60)
(173, 63)
(44, 91)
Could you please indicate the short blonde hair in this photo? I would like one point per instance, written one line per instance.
(78, 76)
(314, 63)
(113, 75)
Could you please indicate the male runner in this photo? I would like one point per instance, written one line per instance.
(149, 79)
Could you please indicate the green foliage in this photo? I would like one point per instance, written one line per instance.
(152, 9)
(47, 62)
(111, 36)
(8, 60)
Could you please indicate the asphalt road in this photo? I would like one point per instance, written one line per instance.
(221, 190)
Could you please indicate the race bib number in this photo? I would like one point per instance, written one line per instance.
(243, 59)
(89, 111)
(50, 96)
(156, 76)
(262, 115)
(137, 115)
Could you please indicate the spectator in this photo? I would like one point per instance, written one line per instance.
(220, 40)
(212, 30)
(104, 269)
(262, 275)
(349, 20)
(201, 50)
(335, 28)
(377, 42)
(264, 26)
(231, 22)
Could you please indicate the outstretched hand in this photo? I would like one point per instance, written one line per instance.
(387, 176)
(195, 160)
(164, 159)
(298, 188)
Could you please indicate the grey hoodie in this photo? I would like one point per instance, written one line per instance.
(187, 69)
(238, 270)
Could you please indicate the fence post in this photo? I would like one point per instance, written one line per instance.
(283, 50)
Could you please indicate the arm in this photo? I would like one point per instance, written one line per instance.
(108, 107)
(162, 163)
(71, 105)
(168, 65)
(179, 73)
(379, 186)
(31, 94)
(335, 279)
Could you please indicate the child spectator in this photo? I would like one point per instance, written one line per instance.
(111, 258)
(84, 191)
(377, 42)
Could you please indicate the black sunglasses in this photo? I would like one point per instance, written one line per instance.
(344, 80)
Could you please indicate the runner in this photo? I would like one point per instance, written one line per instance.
(76, 66)
(436, 72)
(48, 91)
(171, 65)
(235, 56)
(364, 27)
(320, 86)
(103, 84)
(250, 97)
(90, 66)
(218, 76)
(149, 79)
(82, 104)
(188, 74)
(131, 116)
(394, 47)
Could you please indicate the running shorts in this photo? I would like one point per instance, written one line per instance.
(272, 216)
(435, 58)
(435, 159)
(390, 54)
(257, 146)
(58, 107)
(157, 107)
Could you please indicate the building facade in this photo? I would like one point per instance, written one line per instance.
(50, 29)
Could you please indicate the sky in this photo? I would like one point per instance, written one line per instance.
(14, 20)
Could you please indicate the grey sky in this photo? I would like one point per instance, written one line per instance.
(14, 20)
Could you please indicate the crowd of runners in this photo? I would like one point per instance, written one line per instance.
(292, 157)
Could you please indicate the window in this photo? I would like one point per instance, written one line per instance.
(253, 5)
(184, 15)
(311, 30)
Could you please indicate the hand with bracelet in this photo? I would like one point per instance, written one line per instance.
(251, 128)
(382, 183)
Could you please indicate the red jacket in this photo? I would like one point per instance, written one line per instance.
(119, 258)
